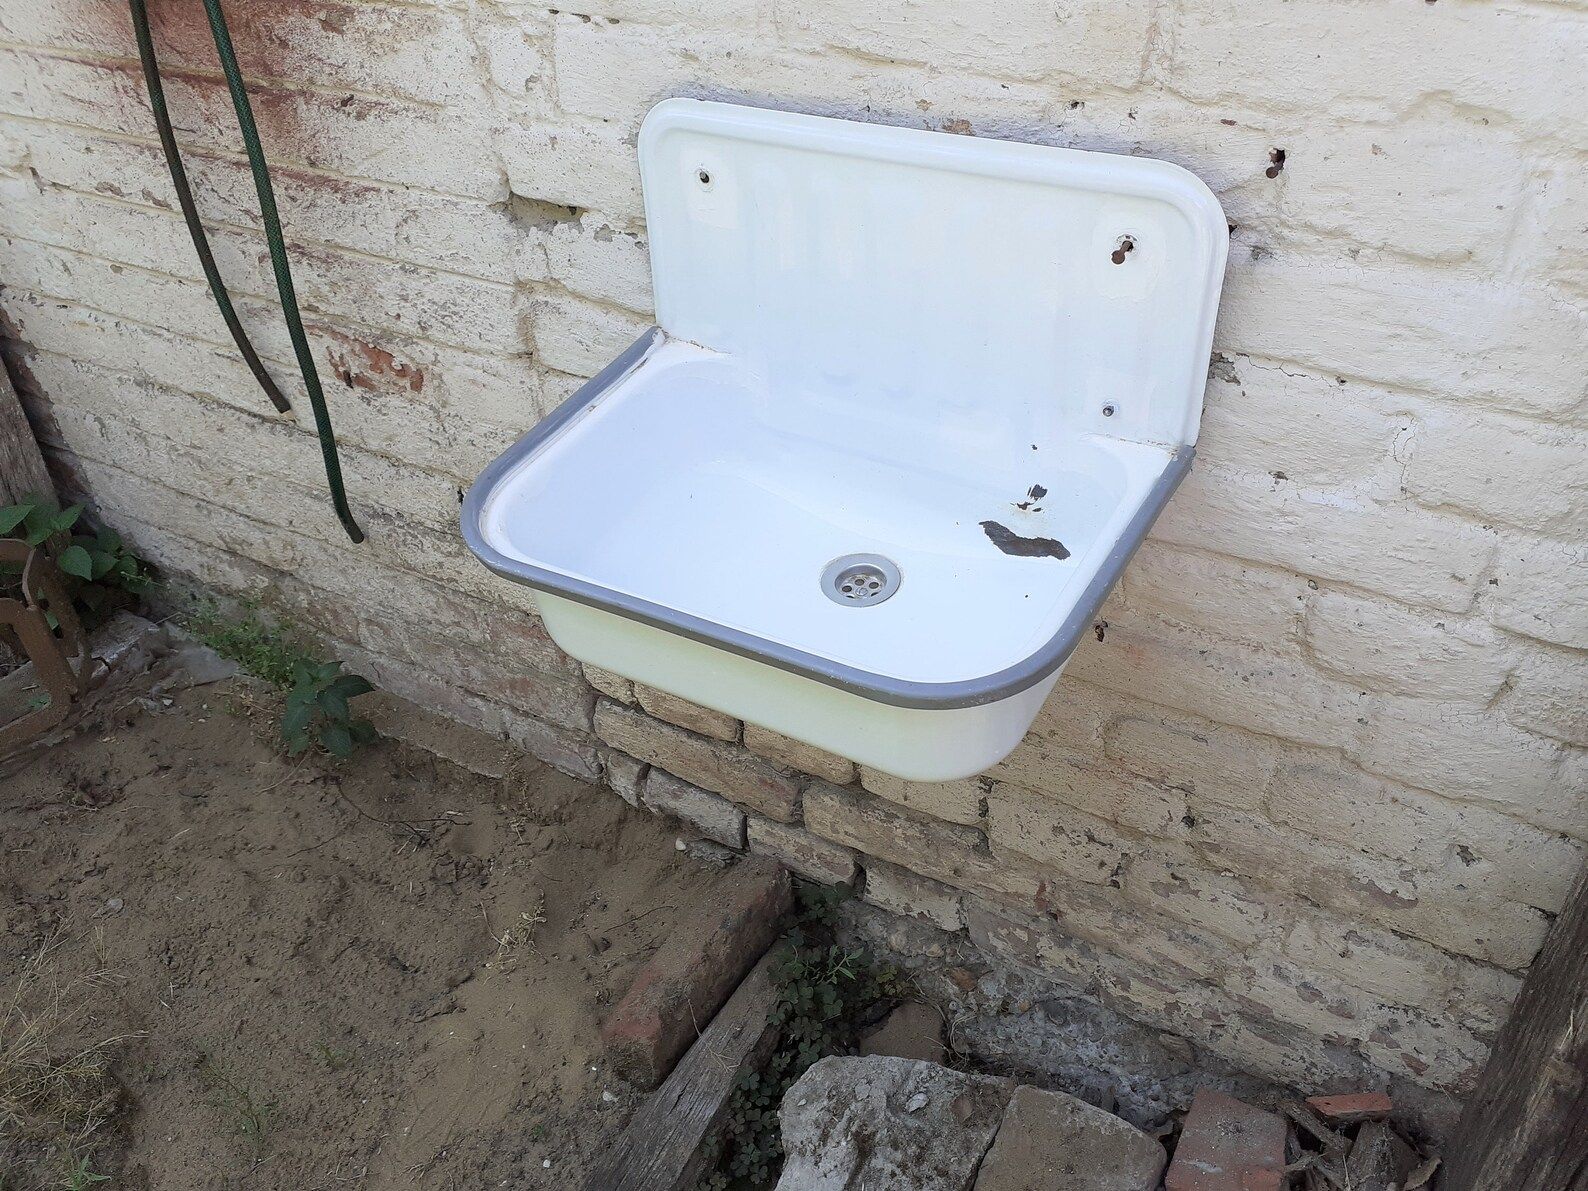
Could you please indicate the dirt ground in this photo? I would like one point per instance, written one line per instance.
(382, 973)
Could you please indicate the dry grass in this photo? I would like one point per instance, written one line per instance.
(56, 1090)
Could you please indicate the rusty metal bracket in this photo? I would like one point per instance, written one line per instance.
(62, 662)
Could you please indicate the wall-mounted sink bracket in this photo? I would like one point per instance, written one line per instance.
(910, 407)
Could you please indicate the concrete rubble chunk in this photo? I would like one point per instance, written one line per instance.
(1049, 1141)
(1228, 1145)
(848, 1123)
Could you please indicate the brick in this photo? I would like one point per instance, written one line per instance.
(1439, 907)
(1363, 59)
(1528, 474)
(1349, 1108)
(1400, 550)
(713, 816)
(902, 892)
(580, 165)
(1325, 799)
(1277, 693)
(1212, 763)
(1389, 647)
(1508, 344)
(577, 336)
(1126, 800)
(1216, 902)
(1228, 1146)
(1549, 234)
(415, 53)
(714, 765)
(801, 852)
(1537, 590)
(943, 851)
(953, 802)
(1549, 694)
(796, 754)
(684, 983)
(1354, 182)
(1401, 970)
(1082, 38)
(1241, 601)
(462, 235)
(1471, 753)
(325, 131)
(625, 775)
(686, 714)
(1265, 416)
(613, 686)
(1057, 837)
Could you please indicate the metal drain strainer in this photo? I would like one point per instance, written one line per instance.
(860, 579)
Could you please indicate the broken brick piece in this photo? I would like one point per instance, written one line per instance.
(1228, 1145)
(1352, 1108)
(683, 985)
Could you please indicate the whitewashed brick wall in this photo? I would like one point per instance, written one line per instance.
(1314, 794)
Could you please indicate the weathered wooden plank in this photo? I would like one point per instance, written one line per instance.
(660, 1149)
(1526, 1126)
(22, 471)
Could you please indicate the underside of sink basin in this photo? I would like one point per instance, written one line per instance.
(904, 420)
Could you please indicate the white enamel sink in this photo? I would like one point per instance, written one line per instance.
(905, 346)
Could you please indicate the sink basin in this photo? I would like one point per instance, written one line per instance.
(912, 402)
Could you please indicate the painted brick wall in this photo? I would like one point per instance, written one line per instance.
(1310, 798)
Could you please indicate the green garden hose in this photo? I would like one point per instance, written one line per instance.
(273, 237)
(184, 198)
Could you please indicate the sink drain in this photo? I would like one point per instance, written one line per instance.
(859, 579)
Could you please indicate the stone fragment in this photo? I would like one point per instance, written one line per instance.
(1049, 1141)
(847, 1123)
(1379, 1159)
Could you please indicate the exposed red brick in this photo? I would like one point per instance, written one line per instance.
(1349, 1109)
(686, 982)
(1228, 1145)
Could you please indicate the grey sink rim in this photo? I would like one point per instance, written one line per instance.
(881, 688)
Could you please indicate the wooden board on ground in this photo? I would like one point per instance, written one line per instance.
(1525, 1128)
(22, 471)
(660, 1149)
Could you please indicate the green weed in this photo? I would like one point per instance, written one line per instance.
(317, 710)
(101, 571)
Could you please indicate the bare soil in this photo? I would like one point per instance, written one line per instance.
(383, 973)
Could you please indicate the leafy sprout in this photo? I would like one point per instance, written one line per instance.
(318, 711)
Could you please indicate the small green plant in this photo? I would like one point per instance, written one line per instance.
(101, 571)
(825, 994)
(265, 650)
(251, 1117)
(78, 1176)
(318, 713)
(317, 709)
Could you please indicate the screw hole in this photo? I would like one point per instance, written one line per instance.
(1108, 410)
(1126, 246)
(705, 178)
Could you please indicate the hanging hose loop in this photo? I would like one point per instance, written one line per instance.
(278, 261)
(184, 198)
